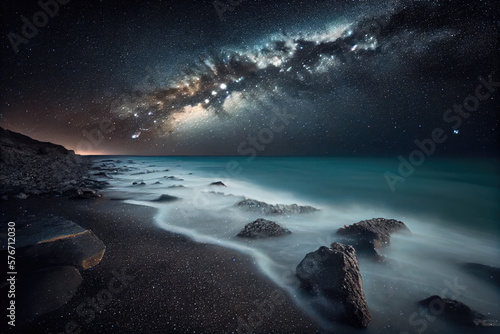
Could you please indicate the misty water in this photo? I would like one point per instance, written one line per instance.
(451, 207)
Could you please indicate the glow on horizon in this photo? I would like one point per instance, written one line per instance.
(92, 153)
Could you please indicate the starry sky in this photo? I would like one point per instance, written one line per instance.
(325, 77)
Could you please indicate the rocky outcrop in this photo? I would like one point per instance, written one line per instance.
(333, 273)
(263, 228)
(273, 209)
(32, 167)
(456, 312)
(371, 235)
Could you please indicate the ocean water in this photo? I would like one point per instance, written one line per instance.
(451, 206)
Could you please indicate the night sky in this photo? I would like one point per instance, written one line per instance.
(299, 77)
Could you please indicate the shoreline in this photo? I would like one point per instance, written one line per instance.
(171, 283)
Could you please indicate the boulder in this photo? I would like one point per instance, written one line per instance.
(333, 274)
(263, 228)
(371, 235)
(455, 312)
(57, 242)
(273, 209)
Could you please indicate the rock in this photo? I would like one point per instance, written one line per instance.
(333, 273)
(157, 182)
(45, 290)
(218, 183)
(166, 198)
(263, 228)
(456, 312)
(54, 241)
(87, 193)
(371, 235)
(276, 209)
(487, 273)
(173, 178)
(103, 174)
(21, 196)
(138, 184)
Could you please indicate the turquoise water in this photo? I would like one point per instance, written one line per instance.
(451, 206)
(462, 192)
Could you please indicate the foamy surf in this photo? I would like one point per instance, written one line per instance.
(426, 263)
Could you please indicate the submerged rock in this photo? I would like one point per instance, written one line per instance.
(263, 228)
(166, 198)
(371, 235)
(274, 209)
(173, 178)
(333, 273)
(456, 312)
(218, 183)
(138, 184)
(487, 273)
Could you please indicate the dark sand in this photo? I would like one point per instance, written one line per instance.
(174, 286)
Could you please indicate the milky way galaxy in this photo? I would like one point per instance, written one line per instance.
(358, 77)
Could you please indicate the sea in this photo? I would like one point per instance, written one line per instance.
(450, 205)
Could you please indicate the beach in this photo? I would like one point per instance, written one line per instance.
(173, 284)
(130, 244)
